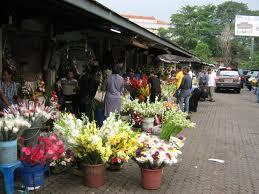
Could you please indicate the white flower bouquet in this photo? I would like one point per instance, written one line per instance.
(154, 153)
(11, 126)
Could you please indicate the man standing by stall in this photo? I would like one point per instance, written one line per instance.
(179, 77)
(211, 84)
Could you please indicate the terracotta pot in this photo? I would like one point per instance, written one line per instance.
(151, 179)
(94, 175)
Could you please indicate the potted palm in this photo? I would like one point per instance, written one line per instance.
(34, 158)
(152, 155)
(11, 127)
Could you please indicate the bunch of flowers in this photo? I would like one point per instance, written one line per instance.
(90, 147)
(39, 88)
(149, 110)
(136, 119)
(11, 126)
(54, 100)
(121, 139)
(171, 106)
(48, 149)
(168, 90)
(69, 127)
(27, 90)
(140, 88)
(63, 163)
(154, 153)
(173, 123)
(127, 105)
(36, 113)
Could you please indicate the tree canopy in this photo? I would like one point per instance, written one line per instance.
(208, 32)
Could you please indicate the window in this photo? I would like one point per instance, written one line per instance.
(228, 73)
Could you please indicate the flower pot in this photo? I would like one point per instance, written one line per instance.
(151, 178)
(94, 175)
(147, 124)
(8, 152)
(31, 136)
(33, 176)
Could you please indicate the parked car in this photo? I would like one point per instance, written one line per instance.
(251, 74)
(228, 79)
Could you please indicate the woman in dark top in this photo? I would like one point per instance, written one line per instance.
(155, 87)
(186, 87)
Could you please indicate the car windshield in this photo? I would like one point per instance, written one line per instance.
(249, 73)
(228, 73)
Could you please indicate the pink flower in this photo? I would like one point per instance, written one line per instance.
(26, 150)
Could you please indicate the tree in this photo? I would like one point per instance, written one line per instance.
(202, 51)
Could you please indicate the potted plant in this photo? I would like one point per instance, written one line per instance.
(11, 127)
(152, 155)
(122, 140)
(94, 153)
(88, 146)
(34, 158)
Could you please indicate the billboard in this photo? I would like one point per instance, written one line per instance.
(247, 25)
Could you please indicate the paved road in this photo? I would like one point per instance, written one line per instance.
(227, 129)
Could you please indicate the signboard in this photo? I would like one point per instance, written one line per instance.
(247, 25)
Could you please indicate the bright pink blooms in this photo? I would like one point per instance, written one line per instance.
(47, 149)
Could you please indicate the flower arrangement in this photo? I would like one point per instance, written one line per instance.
(171, 106)
(127, 105)
(39, 89)
(121, 139)
(154, 153)
(48, 149)
(63, 163)
(173, 123)
(11, 126)
(177, 142)
(90, 147)
(140, 88)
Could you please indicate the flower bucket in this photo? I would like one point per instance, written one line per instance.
(33, 176)
(148, 124)
(151, 178)
(31, 136)
(94, 175)
(8, 152)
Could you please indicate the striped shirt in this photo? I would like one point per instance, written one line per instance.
(9, 90)
(68, 86)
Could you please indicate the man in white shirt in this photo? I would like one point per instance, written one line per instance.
(211, 84)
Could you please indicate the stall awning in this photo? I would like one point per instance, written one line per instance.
(98, 9)
(167, 58)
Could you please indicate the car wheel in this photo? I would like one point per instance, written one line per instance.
(238, 91)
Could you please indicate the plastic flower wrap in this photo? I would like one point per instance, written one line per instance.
(154, 153)
(48, 149)
(173, 123)
(12, 126)
(119, 136)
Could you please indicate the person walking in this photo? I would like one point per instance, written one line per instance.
(211, 84)
(113, 85)
(203, 84)
(185, 93)
(257, 89)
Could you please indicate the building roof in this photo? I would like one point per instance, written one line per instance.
(100, 10)
(138, 17)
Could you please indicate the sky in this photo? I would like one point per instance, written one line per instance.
(162, 9)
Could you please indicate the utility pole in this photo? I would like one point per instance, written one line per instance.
(252, 50)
